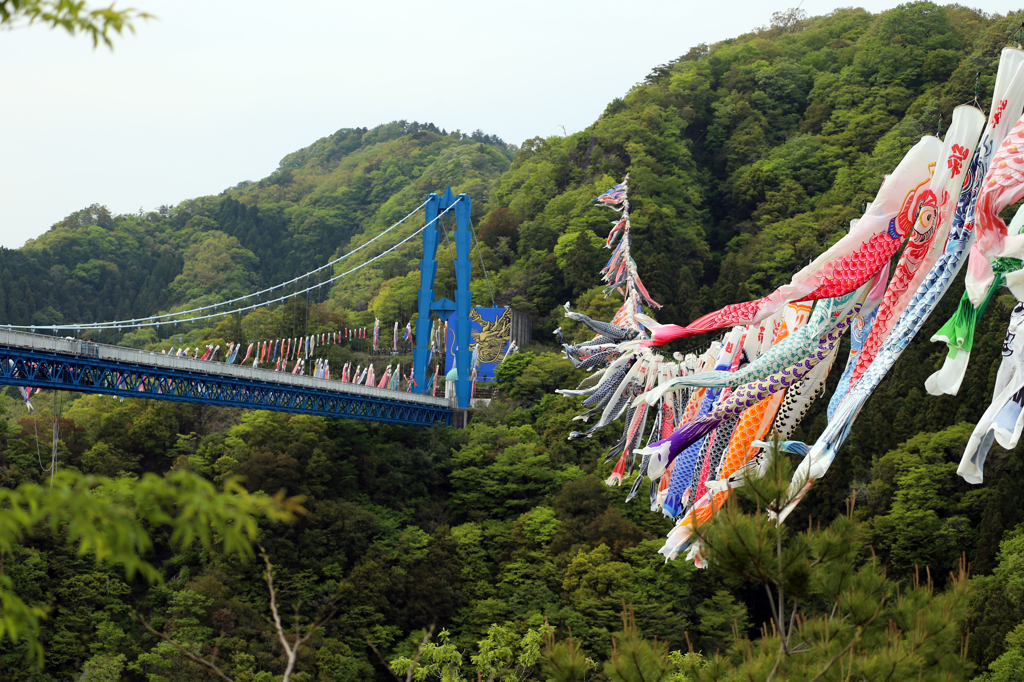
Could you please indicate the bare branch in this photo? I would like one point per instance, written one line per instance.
(209, 665)
(384, 661)
(792, 618)
(268, 576)
(771, 602)
(292, 650)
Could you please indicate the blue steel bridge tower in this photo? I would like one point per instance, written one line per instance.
(436, 208)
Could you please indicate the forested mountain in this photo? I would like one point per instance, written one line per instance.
(746, 159)
(95, 266)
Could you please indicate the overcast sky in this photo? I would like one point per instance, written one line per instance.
(213, 93)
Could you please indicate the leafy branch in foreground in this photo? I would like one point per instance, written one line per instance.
(109, 520)
(71, 15)
(835, 614)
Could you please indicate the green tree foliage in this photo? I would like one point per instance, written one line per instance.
(468, 529)
(1008, 666)
(323, 201)
(74, 17)
(834, 612)
(512, 368)
(790, 131)
(917, 487)
(997, 607)
(503, 656)
(165, 663)
(215, 263)
(632, 659)
(746, 158)
(108, 520)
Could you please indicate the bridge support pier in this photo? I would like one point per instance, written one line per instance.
(460, 418)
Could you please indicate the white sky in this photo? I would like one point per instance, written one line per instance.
(214, 92)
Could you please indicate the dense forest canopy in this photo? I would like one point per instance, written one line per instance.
(746, 159)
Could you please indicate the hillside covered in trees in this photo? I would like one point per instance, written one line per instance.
(746, 159)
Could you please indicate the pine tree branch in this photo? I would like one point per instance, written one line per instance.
(739, 538)
(781, 624)
(854, 640)
(636, 662)
(775, 668)
(792, 618)
(784, 645)
(801, 648)
(782, 594)
(771, 602)
(784, 639)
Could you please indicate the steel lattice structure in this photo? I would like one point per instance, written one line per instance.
(31, 367)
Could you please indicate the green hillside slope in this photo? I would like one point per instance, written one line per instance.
(746, 158)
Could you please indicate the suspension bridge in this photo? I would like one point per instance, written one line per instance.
(36, 356)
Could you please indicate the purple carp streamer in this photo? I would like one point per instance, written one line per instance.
(748, 395)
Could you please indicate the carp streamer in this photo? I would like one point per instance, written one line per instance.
(698, 426)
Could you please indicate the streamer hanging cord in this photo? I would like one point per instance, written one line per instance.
(479, 252)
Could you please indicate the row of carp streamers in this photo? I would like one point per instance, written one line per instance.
(281, 352)
(712, 412)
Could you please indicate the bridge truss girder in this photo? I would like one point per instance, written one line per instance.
(22, 367)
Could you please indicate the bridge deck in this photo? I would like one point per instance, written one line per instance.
(71, 364)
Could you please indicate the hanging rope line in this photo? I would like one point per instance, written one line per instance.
(479, 252)
(142, 322)
(446, 241)
(56, 435)
(39, 454)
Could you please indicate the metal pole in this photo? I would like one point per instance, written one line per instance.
(463, 298)
(428, 270)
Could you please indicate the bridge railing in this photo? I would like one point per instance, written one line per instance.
(100, 351)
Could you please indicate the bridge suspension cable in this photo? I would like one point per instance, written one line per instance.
(134, 321)
(160, 320)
